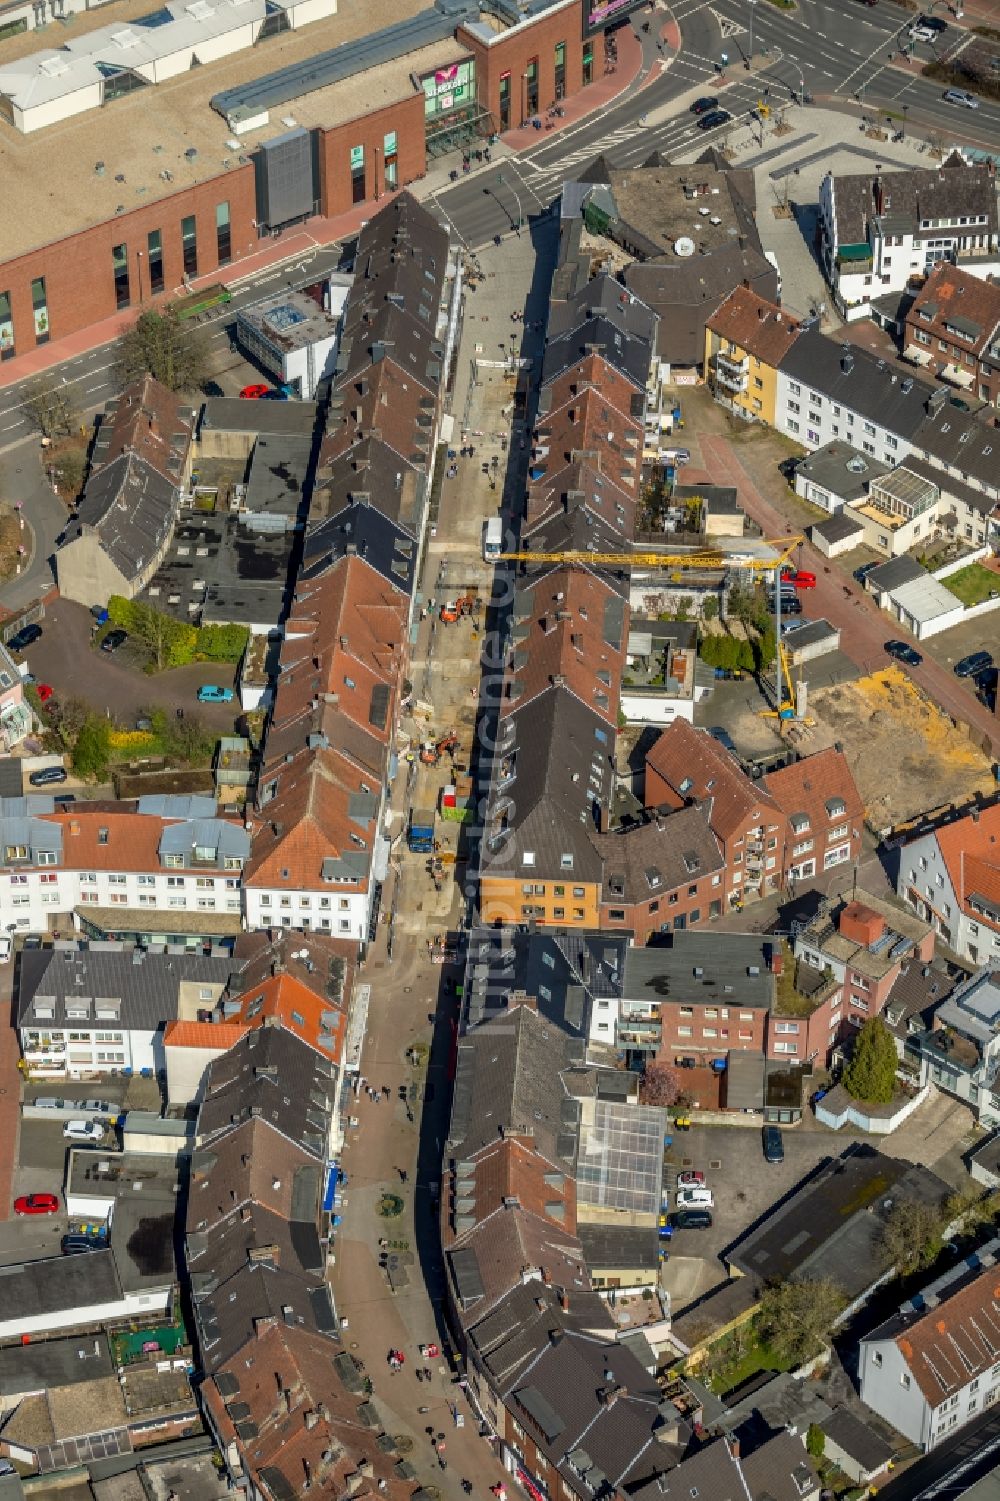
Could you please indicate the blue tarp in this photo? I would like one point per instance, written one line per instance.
(330, 1187)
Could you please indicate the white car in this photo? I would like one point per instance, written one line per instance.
(83, 1131)
(961, 96)
(694, 1198)
(922, 34)
(47, 1102)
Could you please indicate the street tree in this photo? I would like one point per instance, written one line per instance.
(160, 344)
(796, 1317)
(710, 608)
(871, 1073)
(49, 405)
(660, 1084)
(912, 1236)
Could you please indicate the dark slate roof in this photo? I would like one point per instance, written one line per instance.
(563, 971)
(832, 1226)
(859, 381)
(577, 528)
(131, 508)
(513, 1332)
(146, 982)
(893, 574)
(227, 1318)
(559, 752)
(218, 1254)
(594, 1411)
(363, 529)
(510, 1075)
(62, 1285)
(712, 1473)
(228, 414)
(915, 994)
(843, 470)
(54, 1362)
(372, 471)
(702, 281)
(623, 1246)
(605, 317)
(945, 193)
(780, 1470)
(837, 528)
(710, 968)
(272, 1075)
(952, 437)
(643, 861)
(955, 489)
(855, 1438)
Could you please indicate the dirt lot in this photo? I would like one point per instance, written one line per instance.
(905, 754)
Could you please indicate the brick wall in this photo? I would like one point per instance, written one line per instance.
(406, 118)
(79, 281)
(511, 53)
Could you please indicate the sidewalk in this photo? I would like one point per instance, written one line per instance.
(319, 233)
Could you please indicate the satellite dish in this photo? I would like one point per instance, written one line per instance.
(684, 246)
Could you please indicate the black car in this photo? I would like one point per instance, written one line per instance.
(716, 118)
(790, 604)
(113, 640)
(976, 662)
(691, 1219)
(774, 1146)
(702, 106)
(25, 637)
(903, 652)
(933, 23)
(47, 776)
(74, 1243)
(723, 737)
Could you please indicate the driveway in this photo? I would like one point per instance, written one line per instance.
(746, 1189)
(864, 628)
(65, 659)
(22, 479)
(934, 1135)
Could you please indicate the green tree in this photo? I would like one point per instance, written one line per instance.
(710, 608)
(764, 649)
(65, 717)
(68, 468)
(796, 1317)
(871, 1073)
(744, 658)
(170, 642)
(92, 750)
(815, 1441)
(159, 344)
(912, 1236)
(684, 607)
(48, 404)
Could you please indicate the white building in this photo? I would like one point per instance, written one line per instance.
(880, 229)
(74, 1292)
(935, 1364)
(949, 878)
(93, 1009)
(293, 338)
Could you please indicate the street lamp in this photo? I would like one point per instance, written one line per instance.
(517, 200)
(749, 59)
(377, 149)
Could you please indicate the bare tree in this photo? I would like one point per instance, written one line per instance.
(49, 404)
(660, 1084)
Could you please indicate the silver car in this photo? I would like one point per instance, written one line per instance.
(961, 96)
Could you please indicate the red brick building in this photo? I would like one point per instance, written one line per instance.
(149, 219)
(953, 328)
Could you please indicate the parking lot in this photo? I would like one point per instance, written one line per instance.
(746, 1188)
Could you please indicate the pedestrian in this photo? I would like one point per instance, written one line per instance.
(427, 1373)
(385, 1090)
(403, 1175)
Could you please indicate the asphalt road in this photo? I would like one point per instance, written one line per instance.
(951, 1470)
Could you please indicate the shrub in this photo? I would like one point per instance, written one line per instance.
(93, 748)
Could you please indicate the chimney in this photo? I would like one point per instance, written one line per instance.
(734, 1445)
(546, 1276)
(564, 1301)
(775, 958)
(311, 1418)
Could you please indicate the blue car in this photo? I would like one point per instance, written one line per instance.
(211, 694)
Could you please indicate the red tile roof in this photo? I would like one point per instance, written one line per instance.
(956, 1340)
(696, 767)
(809, 785)
(218, 1035)
(153, 423)
(970, 848)
(308, 821)
(566, 637)
(753, 324)
(950, 293)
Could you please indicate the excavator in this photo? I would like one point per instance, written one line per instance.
(431, 754)
(455, 609)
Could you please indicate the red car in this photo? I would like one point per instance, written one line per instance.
(45, 692)
(691, 1179)
(254, 393)
(37, 1204)
(799, 579)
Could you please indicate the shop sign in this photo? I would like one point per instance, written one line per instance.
(596, 17)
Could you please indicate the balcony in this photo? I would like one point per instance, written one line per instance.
(732, 375)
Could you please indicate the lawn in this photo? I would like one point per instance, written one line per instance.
(737, 1357)
(973, 584)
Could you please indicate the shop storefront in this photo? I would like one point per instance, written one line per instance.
(602, 15)
(452, 116)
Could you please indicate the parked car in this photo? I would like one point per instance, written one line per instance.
(695, 1198)
(45, 692)
(723, 737)
(25, 637)
(37, 1204)
(113, 640)
(904, 652)
(800, 579)
(76, 1130)
(47, 776)
(977, 661)
(860, 574)
(690, 1178)
(716, 118)
(703, 106)
(691, 1219)
(73, 1244)
(98, 1107)
(926, 29)
(254, 392)
(48, 1102)
(960, 96)
(774, 1146)
(675, 456)
(787, 626)
(210, 693)
(790, 604)
(275, 394)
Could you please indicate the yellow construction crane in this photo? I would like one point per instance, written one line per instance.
(706, 558)
(786, 697)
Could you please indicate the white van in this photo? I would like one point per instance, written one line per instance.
(694, 1198)
(492, 539)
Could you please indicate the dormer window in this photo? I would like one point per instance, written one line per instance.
(800, 823)
(836, 807)
(566, 862)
